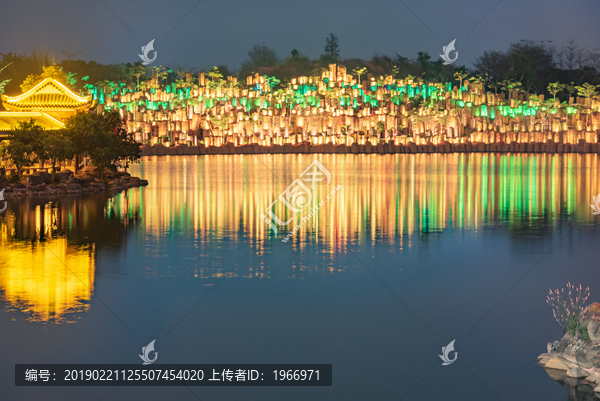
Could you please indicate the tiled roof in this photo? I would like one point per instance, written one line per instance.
(47, 95)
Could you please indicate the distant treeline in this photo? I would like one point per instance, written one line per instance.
(533, 64)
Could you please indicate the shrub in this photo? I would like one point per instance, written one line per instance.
(568, 310)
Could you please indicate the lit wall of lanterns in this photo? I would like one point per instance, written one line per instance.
(334, 107)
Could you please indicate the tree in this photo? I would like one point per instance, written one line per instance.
(52, 71)
(507, 85)
(158, 73)
(58, 148)
(224, 70)
(20, 147)
(531, 63)
(260, 56)
(69, 52)
(6, 81)
(554, 88)
(460, 75)
(587, 90)
(327, 59)
(137, 71)
(128, 149)
(332, 46)
(297, 58)
(104, 139)
(359, 72)
(215, 75)
(493, 63)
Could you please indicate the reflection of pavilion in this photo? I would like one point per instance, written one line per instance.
(48, 103)
(36, 281)
(44, 279)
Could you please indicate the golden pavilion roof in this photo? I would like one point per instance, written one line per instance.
(47, 96)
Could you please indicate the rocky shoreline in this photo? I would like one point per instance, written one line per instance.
(382, 148)
(66, 183)
(575, 362)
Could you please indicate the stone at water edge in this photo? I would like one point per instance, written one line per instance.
(64, 175)
(558, 375)
(577, 373)
(556, 363)
(36, 179)
(546, 355)
(551, 347)
(580, 353)
(593, 308)
(594, 377)
(593, 328)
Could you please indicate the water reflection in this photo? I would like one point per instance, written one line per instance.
(47, 254)
(197, 210)
(392, 198)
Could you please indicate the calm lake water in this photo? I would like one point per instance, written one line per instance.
(410, 253)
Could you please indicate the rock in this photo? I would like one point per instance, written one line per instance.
(546, 355)
(593, 312)
(558, 375)
(64, 175)
(577, 373)
(579, 352)
(593, 308)
(36, 179)
(73, 186)
(593, 328)
(563, 343)
(37, 188)
(556, 363)
(594, 377)
(597, 389)
(98, 185)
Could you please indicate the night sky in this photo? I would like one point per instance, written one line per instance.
(196, 34)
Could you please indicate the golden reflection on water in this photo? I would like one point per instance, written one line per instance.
(48, 250)
(390, 198)
(42, 273)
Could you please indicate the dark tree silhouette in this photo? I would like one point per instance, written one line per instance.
(332, 45)
(260, 56)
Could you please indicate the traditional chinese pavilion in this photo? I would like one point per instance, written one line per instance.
(49, 103)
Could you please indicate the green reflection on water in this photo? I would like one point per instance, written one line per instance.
(387, 199)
